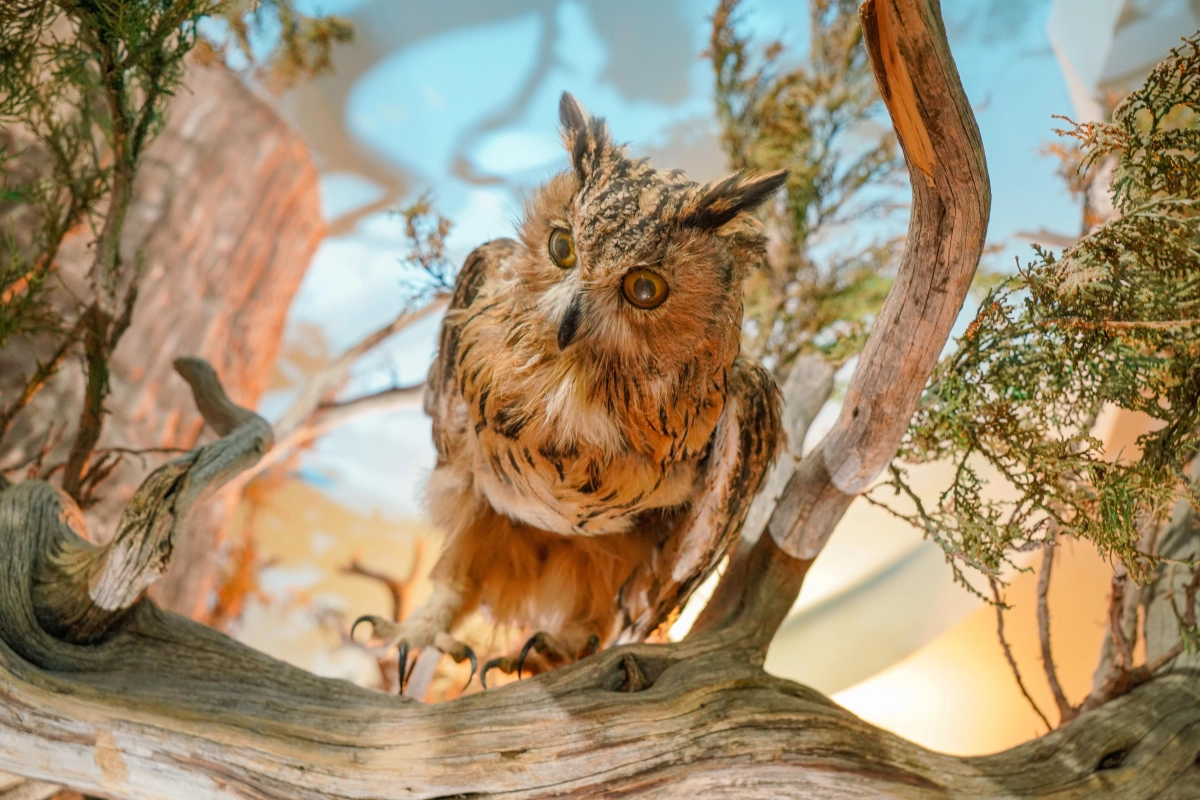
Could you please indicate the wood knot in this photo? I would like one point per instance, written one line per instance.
(1112, 760)
(627, 677)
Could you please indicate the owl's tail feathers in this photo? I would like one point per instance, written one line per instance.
(548, 651)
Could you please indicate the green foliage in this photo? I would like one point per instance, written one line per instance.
(427, 269)
(304, 46)
(1113, 320)
(84, 88)
(822, 120)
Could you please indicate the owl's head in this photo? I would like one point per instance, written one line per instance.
(625, 261)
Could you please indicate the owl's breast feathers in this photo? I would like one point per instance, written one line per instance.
(570, 445)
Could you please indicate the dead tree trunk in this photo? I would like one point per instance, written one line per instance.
(103, 691)
(226, 217)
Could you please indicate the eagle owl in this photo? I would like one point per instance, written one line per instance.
(599, 437)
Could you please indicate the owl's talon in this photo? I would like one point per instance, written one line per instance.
(459, 651)
(364, 618)
(491, 664)
(546, 646)
(474, 666)
(402, 672)
(525, 652)
(589, 647)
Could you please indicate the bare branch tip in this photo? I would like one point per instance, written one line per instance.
(221, 413)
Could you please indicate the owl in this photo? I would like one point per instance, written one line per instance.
(599, 437)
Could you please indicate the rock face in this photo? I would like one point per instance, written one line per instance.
(226, 218)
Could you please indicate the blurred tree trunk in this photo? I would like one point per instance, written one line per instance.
(226, 219)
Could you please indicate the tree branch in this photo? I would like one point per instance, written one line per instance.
(998, 604)
(1066, 711)
(316, 412)
(328, 416)
(83, 590)
(946, 233)
(321, 387)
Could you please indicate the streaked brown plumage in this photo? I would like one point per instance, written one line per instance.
(599, 438)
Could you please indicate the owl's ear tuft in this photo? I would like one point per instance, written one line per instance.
(586, 139)
(719, 202)
(571, 115)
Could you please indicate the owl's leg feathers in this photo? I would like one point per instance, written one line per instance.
(428, 626)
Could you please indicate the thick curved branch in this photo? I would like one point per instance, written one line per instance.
(946, 231)
(947, 228)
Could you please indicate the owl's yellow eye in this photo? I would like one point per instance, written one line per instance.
(562, 248)
(645, 289)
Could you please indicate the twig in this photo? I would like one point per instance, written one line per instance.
(1087, 324)
(1187, 618)
(1066, 711)
(328, 416)
(91, 417)
(1122, 646)
(45, 370)
(395, 588)
(327, 381)
(1012, 662)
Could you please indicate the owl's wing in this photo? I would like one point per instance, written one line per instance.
(747, 438)
(443, 400)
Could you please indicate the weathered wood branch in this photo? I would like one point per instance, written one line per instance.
(82, 589)
(946, 232)
(158, 706)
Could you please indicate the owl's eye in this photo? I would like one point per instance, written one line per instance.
(562, 248)
(645, 289)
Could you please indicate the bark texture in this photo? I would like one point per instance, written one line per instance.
(227, 218)
(130, 701)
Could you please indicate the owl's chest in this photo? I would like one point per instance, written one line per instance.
(581, 494)
(586, 458)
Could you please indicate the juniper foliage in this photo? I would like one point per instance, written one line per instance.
(1113, 320)
(85, 86)
(823, 120)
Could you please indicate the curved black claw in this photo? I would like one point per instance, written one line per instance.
(474, 666)
(491, 664)
(359, 621)
(402, 671)
(537, 640)
(590, 647)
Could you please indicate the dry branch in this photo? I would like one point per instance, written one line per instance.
(946, 233)
(316, 411)
(83, 589)
(1066, 712)
(159, 706)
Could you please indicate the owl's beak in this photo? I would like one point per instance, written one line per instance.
(570, 322)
